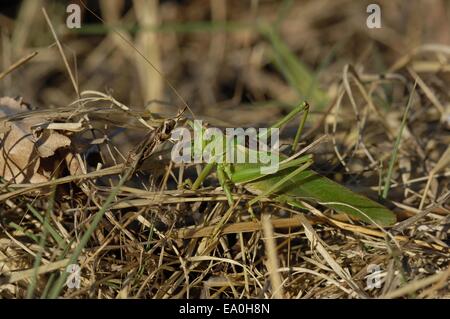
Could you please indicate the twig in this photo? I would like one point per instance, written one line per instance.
(61, 51)
(18, 64)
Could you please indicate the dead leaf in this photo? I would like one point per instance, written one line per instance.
(74, 165)
(21, 149)
(48, 144)
(18, 158)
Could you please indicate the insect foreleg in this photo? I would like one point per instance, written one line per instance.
(202, 176)
(305, 110)
(225, 182)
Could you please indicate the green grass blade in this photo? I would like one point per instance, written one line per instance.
(47, 226)
(42, 242)
(167, 27)
(387, 183)
(58, 286)
(36, 264)
(296, 73)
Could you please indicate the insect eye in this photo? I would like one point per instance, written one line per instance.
(168, 126)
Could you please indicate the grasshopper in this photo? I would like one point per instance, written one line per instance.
(293, 182)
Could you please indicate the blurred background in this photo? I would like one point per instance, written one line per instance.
(247, 63)
(219, 55)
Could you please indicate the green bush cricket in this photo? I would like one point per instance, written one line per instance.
(294, 182)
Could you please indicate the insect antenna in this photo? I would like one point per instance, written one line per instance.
(183, 101)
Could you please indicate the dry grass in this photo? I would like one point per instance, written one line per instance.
(158, 239)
